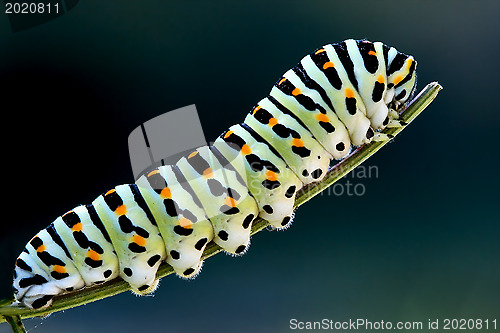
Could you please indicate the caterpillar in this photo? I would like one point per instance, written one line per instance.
(338, 97)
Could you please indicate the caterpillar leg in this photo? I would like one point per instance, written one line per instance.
(393, 120)
(382, 137)
(394, 123)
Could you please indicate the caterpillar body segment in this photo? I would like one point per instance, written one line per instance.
(337, 97)
(182, 221)
(224, 196)
(296, 145)
(134, 234)
(270, 181)
(88, 243)
(374, 79)
(320, 118)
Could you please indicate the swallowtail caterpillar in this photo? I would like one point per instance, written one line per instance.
(338, 97)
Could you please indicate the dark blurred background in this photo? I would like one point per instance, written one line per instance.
(422, 242)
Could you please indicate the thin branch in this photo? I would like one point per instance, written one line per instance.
(87, 295)
(16, 324)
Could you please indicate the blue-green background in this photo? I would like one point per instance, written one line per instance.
(423, 242)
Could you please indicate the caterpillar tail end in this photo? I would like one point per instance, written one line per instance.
(32, 287)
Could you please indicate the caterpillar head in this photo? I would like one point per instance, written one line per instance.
(403, 83)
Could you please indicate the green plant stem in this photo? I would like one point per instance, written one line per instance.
(16, 324)
(14, 312)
